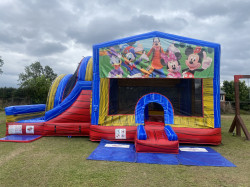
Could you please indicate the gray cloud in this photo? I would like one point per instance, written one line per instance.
(38, 48)
(210, 9)
(59, 32)
(8, 37)
(102, 29)
(236, 11)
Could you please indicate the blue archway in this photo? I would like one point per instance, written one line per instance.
(156, 98)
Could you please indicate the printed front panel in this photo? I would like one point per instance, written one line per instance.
(156, 58)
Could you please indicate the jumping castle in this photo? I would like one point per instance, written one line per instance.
(154, 89)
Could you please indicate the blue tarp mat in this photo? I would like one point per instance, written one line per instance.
(20, 138)
(209, 158)
(157, 158)
(191, 155)
(114, 154)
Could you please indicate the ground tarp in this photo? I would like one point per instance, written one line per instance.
(20, 138)
(188, 155)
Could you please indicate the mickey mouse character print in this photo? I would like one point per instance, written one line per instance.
(195, 58)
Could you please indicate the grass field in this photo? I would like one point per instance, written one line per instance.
(61, 161)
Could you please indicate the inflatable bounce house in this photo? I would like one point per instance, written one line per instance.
(154, 89)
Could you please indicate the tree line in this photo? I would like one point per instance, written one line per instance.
(34, 84)
(228, 88)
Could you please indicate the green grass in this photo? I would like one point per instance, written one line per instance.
(60, 161)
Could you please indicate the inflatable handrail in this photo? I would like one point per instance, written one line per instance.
(24, 109)
(172, 136)
(60, 89)
(141, 133)
(83, 68)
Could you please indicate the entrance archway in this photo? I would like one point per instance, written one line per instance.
(156, 98)
(154, 112)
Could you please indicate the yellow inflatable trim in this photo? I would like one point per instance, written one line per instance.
(18, 117)
(89, 70)
(52, 92)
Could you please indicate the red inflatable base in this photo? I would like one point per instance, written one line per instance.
(97, 132)
(185, 135)
(66, 129)
(13, 128)
(198, 136)
(48, 129)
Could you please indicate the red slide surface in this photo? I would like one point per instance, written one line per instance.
(157, 141)
(75, 121)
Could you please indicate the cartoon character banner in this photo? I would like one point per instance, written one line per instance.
(156, 58)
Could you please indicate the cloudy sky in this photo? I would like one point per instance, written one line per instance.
(59, 32)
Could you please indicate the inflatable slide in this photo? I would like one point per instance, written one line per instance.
(66, 113)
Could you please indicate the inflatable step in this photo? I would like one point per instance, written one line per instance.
(150, 139)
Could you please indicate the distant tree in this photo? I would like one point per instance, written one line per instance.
(13, 96)
(228, 87)
(36, 80)
(1, 64)
(49, 73)
(6, 92)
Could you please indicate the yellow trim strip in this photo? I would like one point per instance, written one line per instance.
(89, 70)
(52, 92)
(18, 117)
